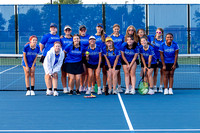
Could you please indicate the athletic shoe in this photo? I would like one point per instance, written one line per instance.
(114, 92)
(32, 93)
(65, 90)
(127, 91)
(103, 90)
(130, 87)
(109, 91)
(155, 89)
(99, 92)
(160, 90)
(151, 92)
(78, 92)
(171, 91)
(28, 93)
(55, 93)
(81, 88)
(85, 88)
(88, 92)
(132, 91)
(48, 93)
(119, 89)
(71, 92)
(92, 90)
(166, 92)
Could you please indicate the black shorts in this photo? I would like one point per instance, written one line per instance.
(118, 67)
(42, 59)
(103, 61)
(123, 62)
(84, 60)
(73, 68)
(169, 66)
(160, 65)
(152, 65)
(92, 66)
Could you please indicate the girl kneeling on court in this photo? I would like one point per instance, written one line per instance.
(52, 64)
(169, 56)
(73, 63)
(30, 52)
(148, 61)
(129, 54)
(93, 57)
(112, 64)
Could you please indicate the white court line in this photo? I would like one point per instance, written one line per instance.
(8, 69)
(125, 113)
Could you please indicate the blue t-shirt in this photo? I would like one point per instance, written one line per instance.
(156, 48)
(111, 57)
(30, 54)
(118, 41)
(99, 41)
(73, 54)
(169, 51)
(48, 42)
(66, 41)
(150, 38)
(129, 53)
(94, 55)
(56, 58)
(84, 41)
(147, 53)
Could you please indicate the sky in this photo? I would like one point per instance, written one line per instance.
(108, 1)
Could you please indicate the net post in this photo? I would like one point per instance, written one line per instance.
(16, 30)
(59, 18)
(189, 31)
(147, 21)
(104, 16)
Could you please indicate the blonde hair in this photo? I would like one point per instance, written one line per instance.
(136, 38)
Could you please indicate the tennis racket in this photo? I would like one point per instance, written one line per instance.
(91, 96)
(143, 86)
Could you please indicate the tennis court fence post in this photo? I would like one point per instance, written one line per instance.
(16, 30)
(104, 16)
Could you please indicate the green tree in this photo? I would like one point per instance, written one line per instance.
(68, 2)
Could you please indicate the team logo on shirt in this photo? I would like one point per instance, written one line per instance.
(31, 53)
(169, 50)
(55, 38)
(75, 52)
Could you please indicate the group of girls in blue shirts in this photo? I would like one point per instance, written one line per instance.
(81, 57)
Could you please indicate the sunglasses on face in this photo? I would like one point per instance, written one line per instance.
(158, 32)
(82, 29)
(130, 30)
(67, 30)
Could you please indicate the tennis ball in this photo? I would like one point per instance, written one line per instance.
(86, 52)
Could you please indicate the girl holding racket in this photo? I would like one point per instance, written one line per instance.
(112, 64)
(73, 64)
(129, 54)
(30, 52)
(118, 40)
(52, 64)
(93, 56)
(169, 56)
(84, 43)
(100, 42)
(148, 61)
(65, 41)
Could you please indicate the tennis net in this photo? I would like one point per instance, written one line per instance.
(12, 73)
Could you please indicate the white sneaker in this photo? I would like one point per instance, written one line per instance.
(171, 91)
(115, 92)
(127, 91)
(130, 87)
(103, 90)
(88, 92)
(132, 91)
(155, 89)
(65, 90)
(55, 93)
(166, 92)
(81, 88)
(99, 92)
(48, 92)
(150, 92)
(160, 90)
(92, 90)
(119, 89)
(28, 93)
(32, 93)
(109, 91)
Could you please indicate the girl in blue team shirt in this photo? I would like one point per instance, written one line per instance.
(141, 33)
(129, 54)
(52, 64)
(148, 61)
(93, 56)
(48, 40)
(156, 41)
(73, 64)
(84, 44)
(65, 41)
(100, 42)
(118, 40)
(169, 56)
(112, 64)
(30, 53)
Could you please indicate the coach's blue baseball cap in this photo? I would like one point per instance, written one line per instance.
(100, 25)
(53, 25)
